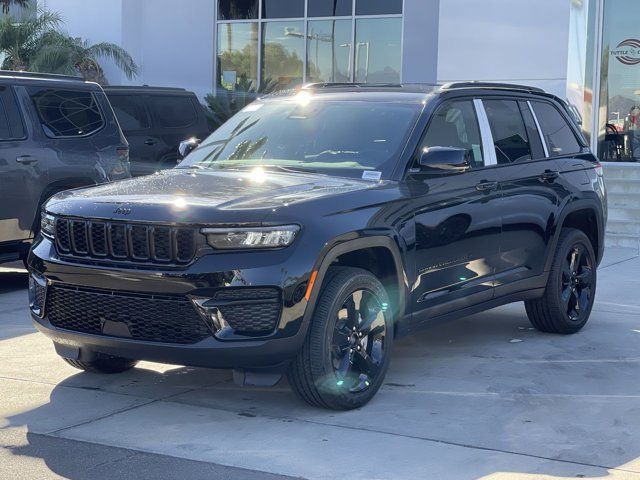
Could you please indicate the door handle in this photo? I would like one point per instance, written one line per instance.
(487, 186)
(26, 160)
(549, 176)
(150, 141)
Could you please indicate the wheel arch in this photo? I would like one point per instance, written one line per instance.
(356, 251)
(585, 215)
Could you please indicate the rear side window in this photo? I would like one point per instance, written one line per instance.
(173, 111)
(556, 131)
(11, 126)
(455, 124)
(130, 112)
(509, 133)
(67, 113)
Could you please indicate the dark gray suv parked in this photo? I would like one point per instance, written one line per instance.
(56, 133)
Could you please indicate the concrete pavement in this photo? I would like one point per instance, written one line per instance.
(479, 397)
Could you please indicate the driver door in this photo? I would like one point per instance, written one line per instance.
(457, 218)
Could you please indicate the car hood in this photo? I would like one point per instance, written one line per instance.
(201, 196)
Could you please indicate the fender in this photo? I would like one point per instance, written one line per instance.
(333, 251)
(573, 206)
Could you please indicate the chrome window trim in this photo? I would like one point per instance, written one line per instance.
(535, 119)
(488, 146)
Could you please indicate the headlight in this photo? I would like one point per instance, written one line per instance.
(261, 237)
(48, 225)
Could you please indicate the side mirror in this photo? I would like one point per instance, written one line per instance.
(187, 146)
(444, 160)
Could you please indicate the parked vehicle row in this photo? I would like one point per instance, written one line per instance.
(312, 230)
(59, 133)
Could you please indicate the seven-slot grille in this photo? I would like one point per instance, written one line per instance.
(124, 241)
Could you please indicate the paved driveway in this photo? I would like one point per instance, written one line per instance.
(480, 397)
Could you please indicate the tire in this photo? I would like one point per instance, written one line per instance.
(103, 364)
(568, 299)
(340, 368)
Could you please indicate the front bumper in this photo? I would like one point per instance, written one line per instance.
(199, 283)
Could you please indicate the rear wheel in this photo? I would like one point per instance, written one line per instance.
(347, 351)
(103, 364)
(571, 288)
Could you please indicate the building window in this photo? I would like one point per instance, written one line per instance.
(619, 123)
(272, 42)
(237, 54)
(377, 50)
(329, 50)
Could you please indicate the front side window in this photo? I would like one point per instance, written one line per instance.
(173, 111)
(349, 137)
(557, 133)
(454, 124)
(510, 136)
(67, 113)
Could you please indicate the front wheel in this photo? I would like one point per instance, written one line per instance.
(348, 347)
(568, 298)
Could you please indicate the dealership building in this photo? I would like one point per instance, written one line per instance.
(586, 51)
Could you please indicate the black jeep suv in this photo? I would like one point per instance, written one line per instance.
(314, 228)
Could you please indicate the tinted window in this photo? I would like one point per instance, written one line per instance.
(557, 132)
(67, 113)
(537, 150)
(455, 125)
(173, 112)
(378, 7)
(237, 9)
(329, 8)
(509, 133)
(11, 126)
(129, 112)
(282, 8)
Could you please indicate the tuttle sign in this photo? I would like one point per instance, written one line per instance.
(628, 51)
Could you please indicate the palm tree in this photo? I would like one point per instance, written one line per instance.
(20, 38)
(61, 53)
(6, 4)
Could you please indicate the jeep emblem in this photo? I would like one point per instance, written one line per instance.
(122, 211)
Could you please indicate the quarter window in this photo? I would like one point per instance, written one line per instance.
(455, 125)
(556, 131)
(173, 111)
(67, 113)
(509, 133)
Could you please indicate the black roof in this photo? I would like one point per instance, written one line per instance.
(44, 78)
(143, 88)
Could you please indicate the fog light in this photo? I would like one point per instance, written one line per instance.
(37, 293)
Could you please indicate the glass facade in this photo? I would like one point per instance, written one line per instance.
(276, 44)
(619, 113)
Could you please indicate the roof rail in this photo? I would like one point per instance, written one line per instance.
(46, 76)
(134, 87)
(318, 85)
(502, 86)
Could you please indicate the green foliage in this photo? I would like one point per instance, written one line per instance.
(35, 42)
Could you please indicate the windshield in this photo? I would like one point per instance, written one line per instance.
(357, 138)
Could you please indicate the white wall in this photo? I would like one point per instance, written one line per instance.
(520, 41)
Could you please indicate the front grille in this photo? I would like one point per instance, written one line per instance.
(250, 311)
(124, 241)
(151, 318)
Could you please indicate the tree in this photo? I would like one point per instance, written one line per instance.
(20, 39)
(6, 4)
(61, 53)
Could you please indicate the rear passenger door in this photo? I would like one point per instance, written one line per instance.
(530, 195)
(133, 117)
(22, 176)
